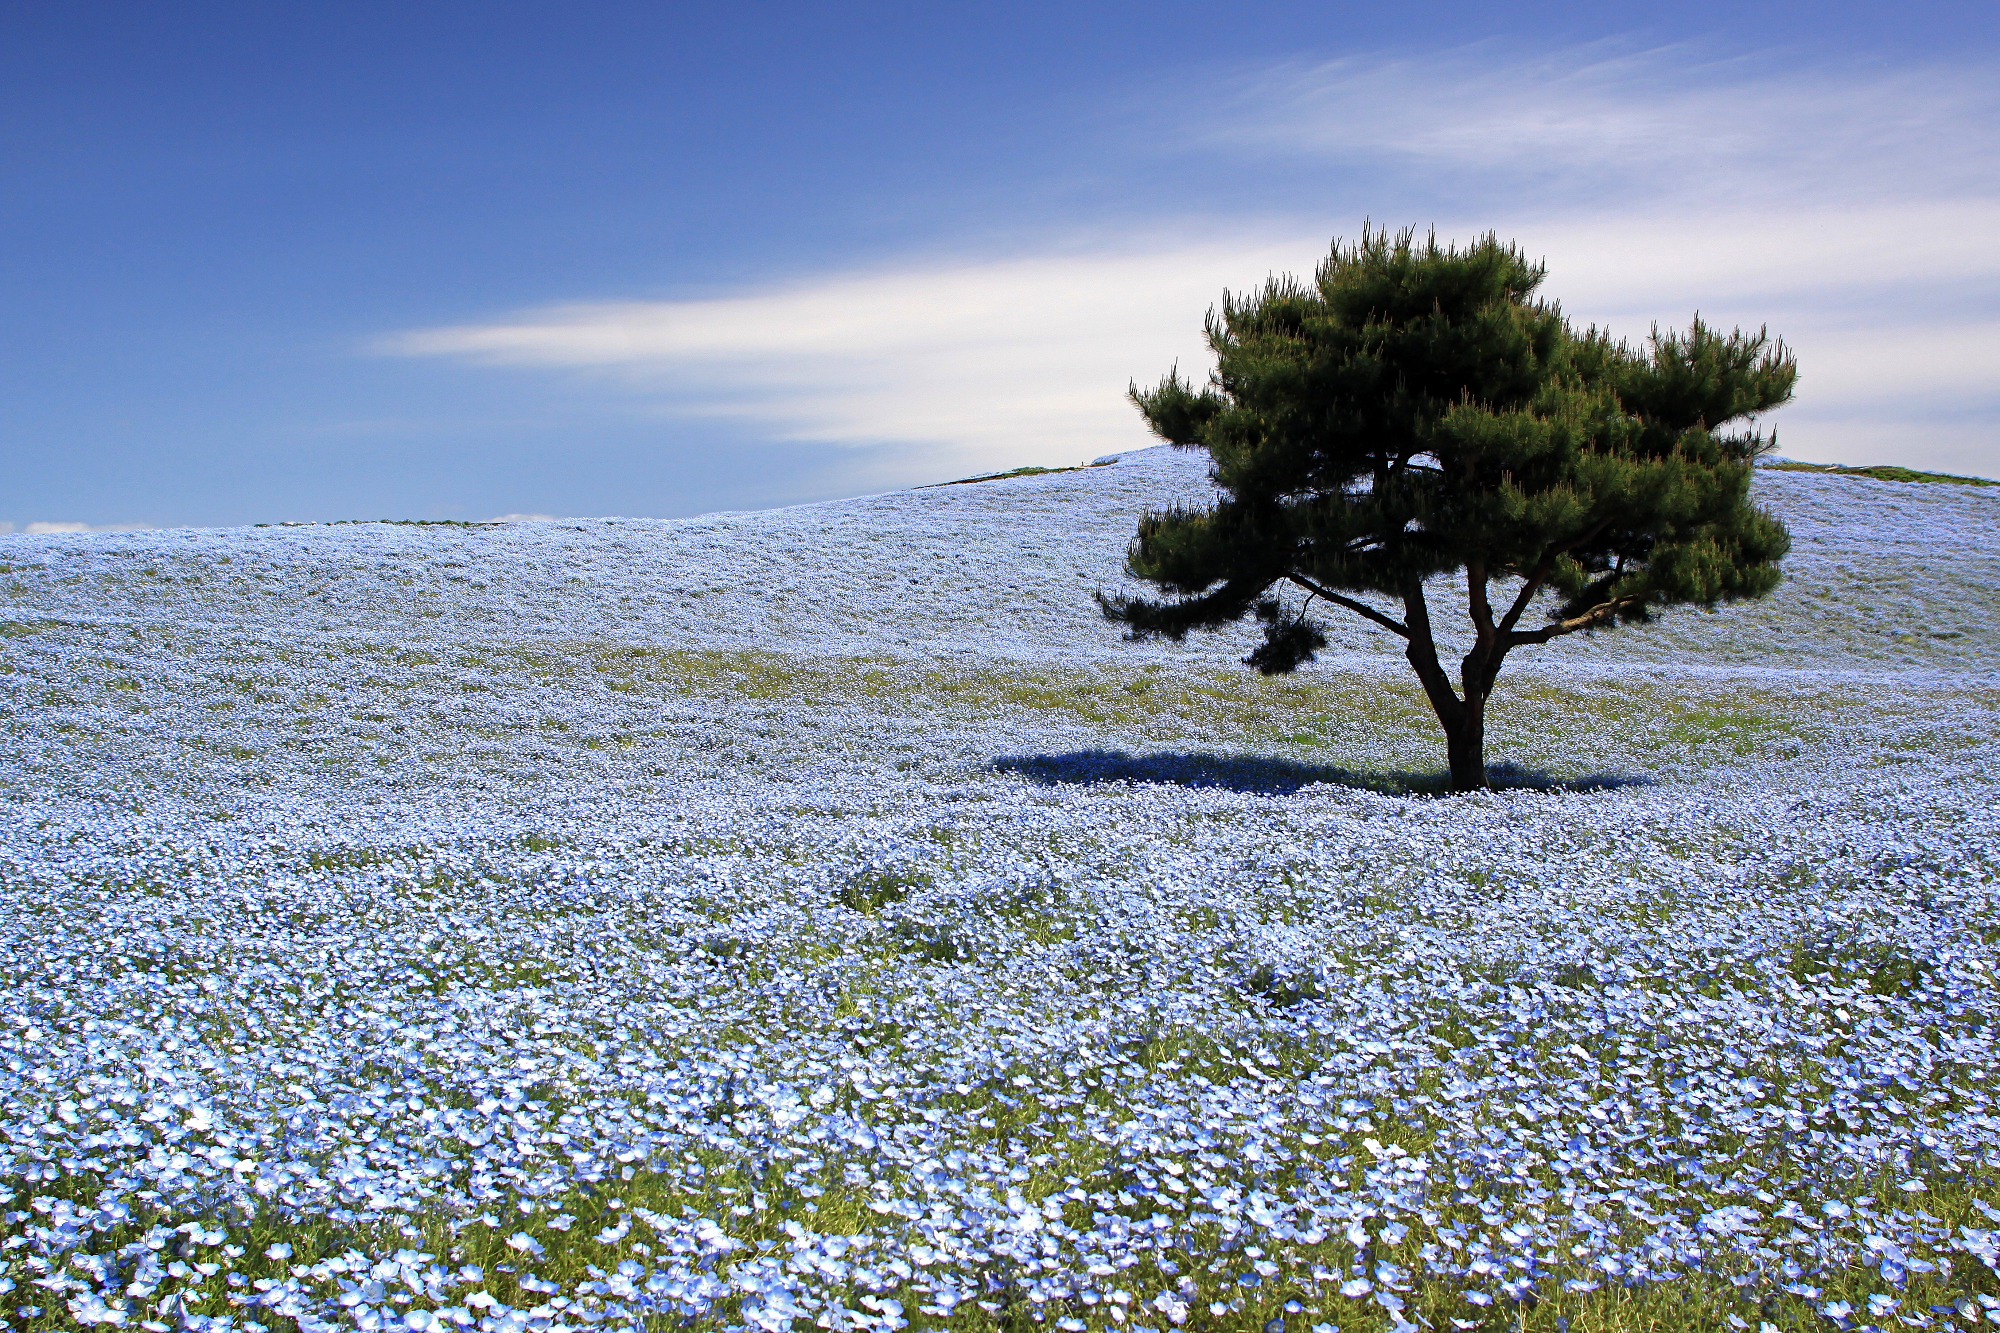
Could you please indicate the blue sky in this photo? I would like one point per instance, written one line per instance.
(285, 262)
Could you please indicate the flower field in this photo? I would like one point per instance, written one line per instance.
(819, 919)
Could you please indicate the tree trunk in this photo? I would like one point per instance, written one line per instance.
(1465, 746)
(1463, 720)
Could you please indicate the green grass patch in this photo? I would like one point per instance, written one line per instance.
(1013, 472)
(1881, 472)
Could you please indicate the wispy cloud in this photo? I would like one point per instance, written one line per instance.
(1889, 307)
(1852, 213)
(42, 527)
(1020, 357)
(1673, 123)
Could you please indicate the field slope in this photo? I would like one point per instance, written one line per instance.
(820, 919)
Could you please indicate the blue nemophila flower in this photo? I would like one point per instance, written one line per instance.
(300, 932)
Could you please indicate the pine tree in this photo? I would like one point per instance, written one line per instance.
(1415, 412)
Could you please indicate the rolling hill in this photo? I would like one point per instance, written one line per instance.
(820, 919)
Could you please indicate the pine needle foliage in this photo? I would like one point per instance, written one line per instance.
(1416, 411)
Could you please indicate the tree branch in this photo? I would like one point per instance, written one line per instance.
(1596, 615)
(1477, 607)
(1422, 655)
(1540, 574)
(1358, 608)
(1482, 664)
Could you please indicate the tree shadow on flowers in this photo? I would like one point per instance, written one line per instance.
(1264, 775)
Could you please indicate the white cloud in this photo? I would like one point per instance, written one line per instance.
(1695, 252)
(1867, 298)
(1638, 123)
(1021, 357)
(40, 527)
(1852, 214)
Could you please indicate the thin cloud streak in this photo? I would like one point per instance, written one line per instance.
(44, 528)
(1866, 246)
(1647, 123)
(1027, 357)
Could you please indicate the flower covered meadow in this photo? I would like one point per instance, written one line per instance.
(818, 919)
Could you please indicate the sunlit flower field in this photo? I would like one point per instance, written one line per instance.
(819, 919)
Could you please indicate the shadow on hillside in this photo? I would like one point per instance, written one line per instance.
(1264, 775)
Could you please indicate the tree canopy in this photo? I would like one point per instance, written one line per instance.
(1415, 412)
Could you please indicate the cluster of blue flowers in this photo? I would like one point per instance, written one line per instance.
(354, 986)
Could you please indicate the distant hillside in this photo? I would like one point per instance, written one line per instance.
(1883, 575)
